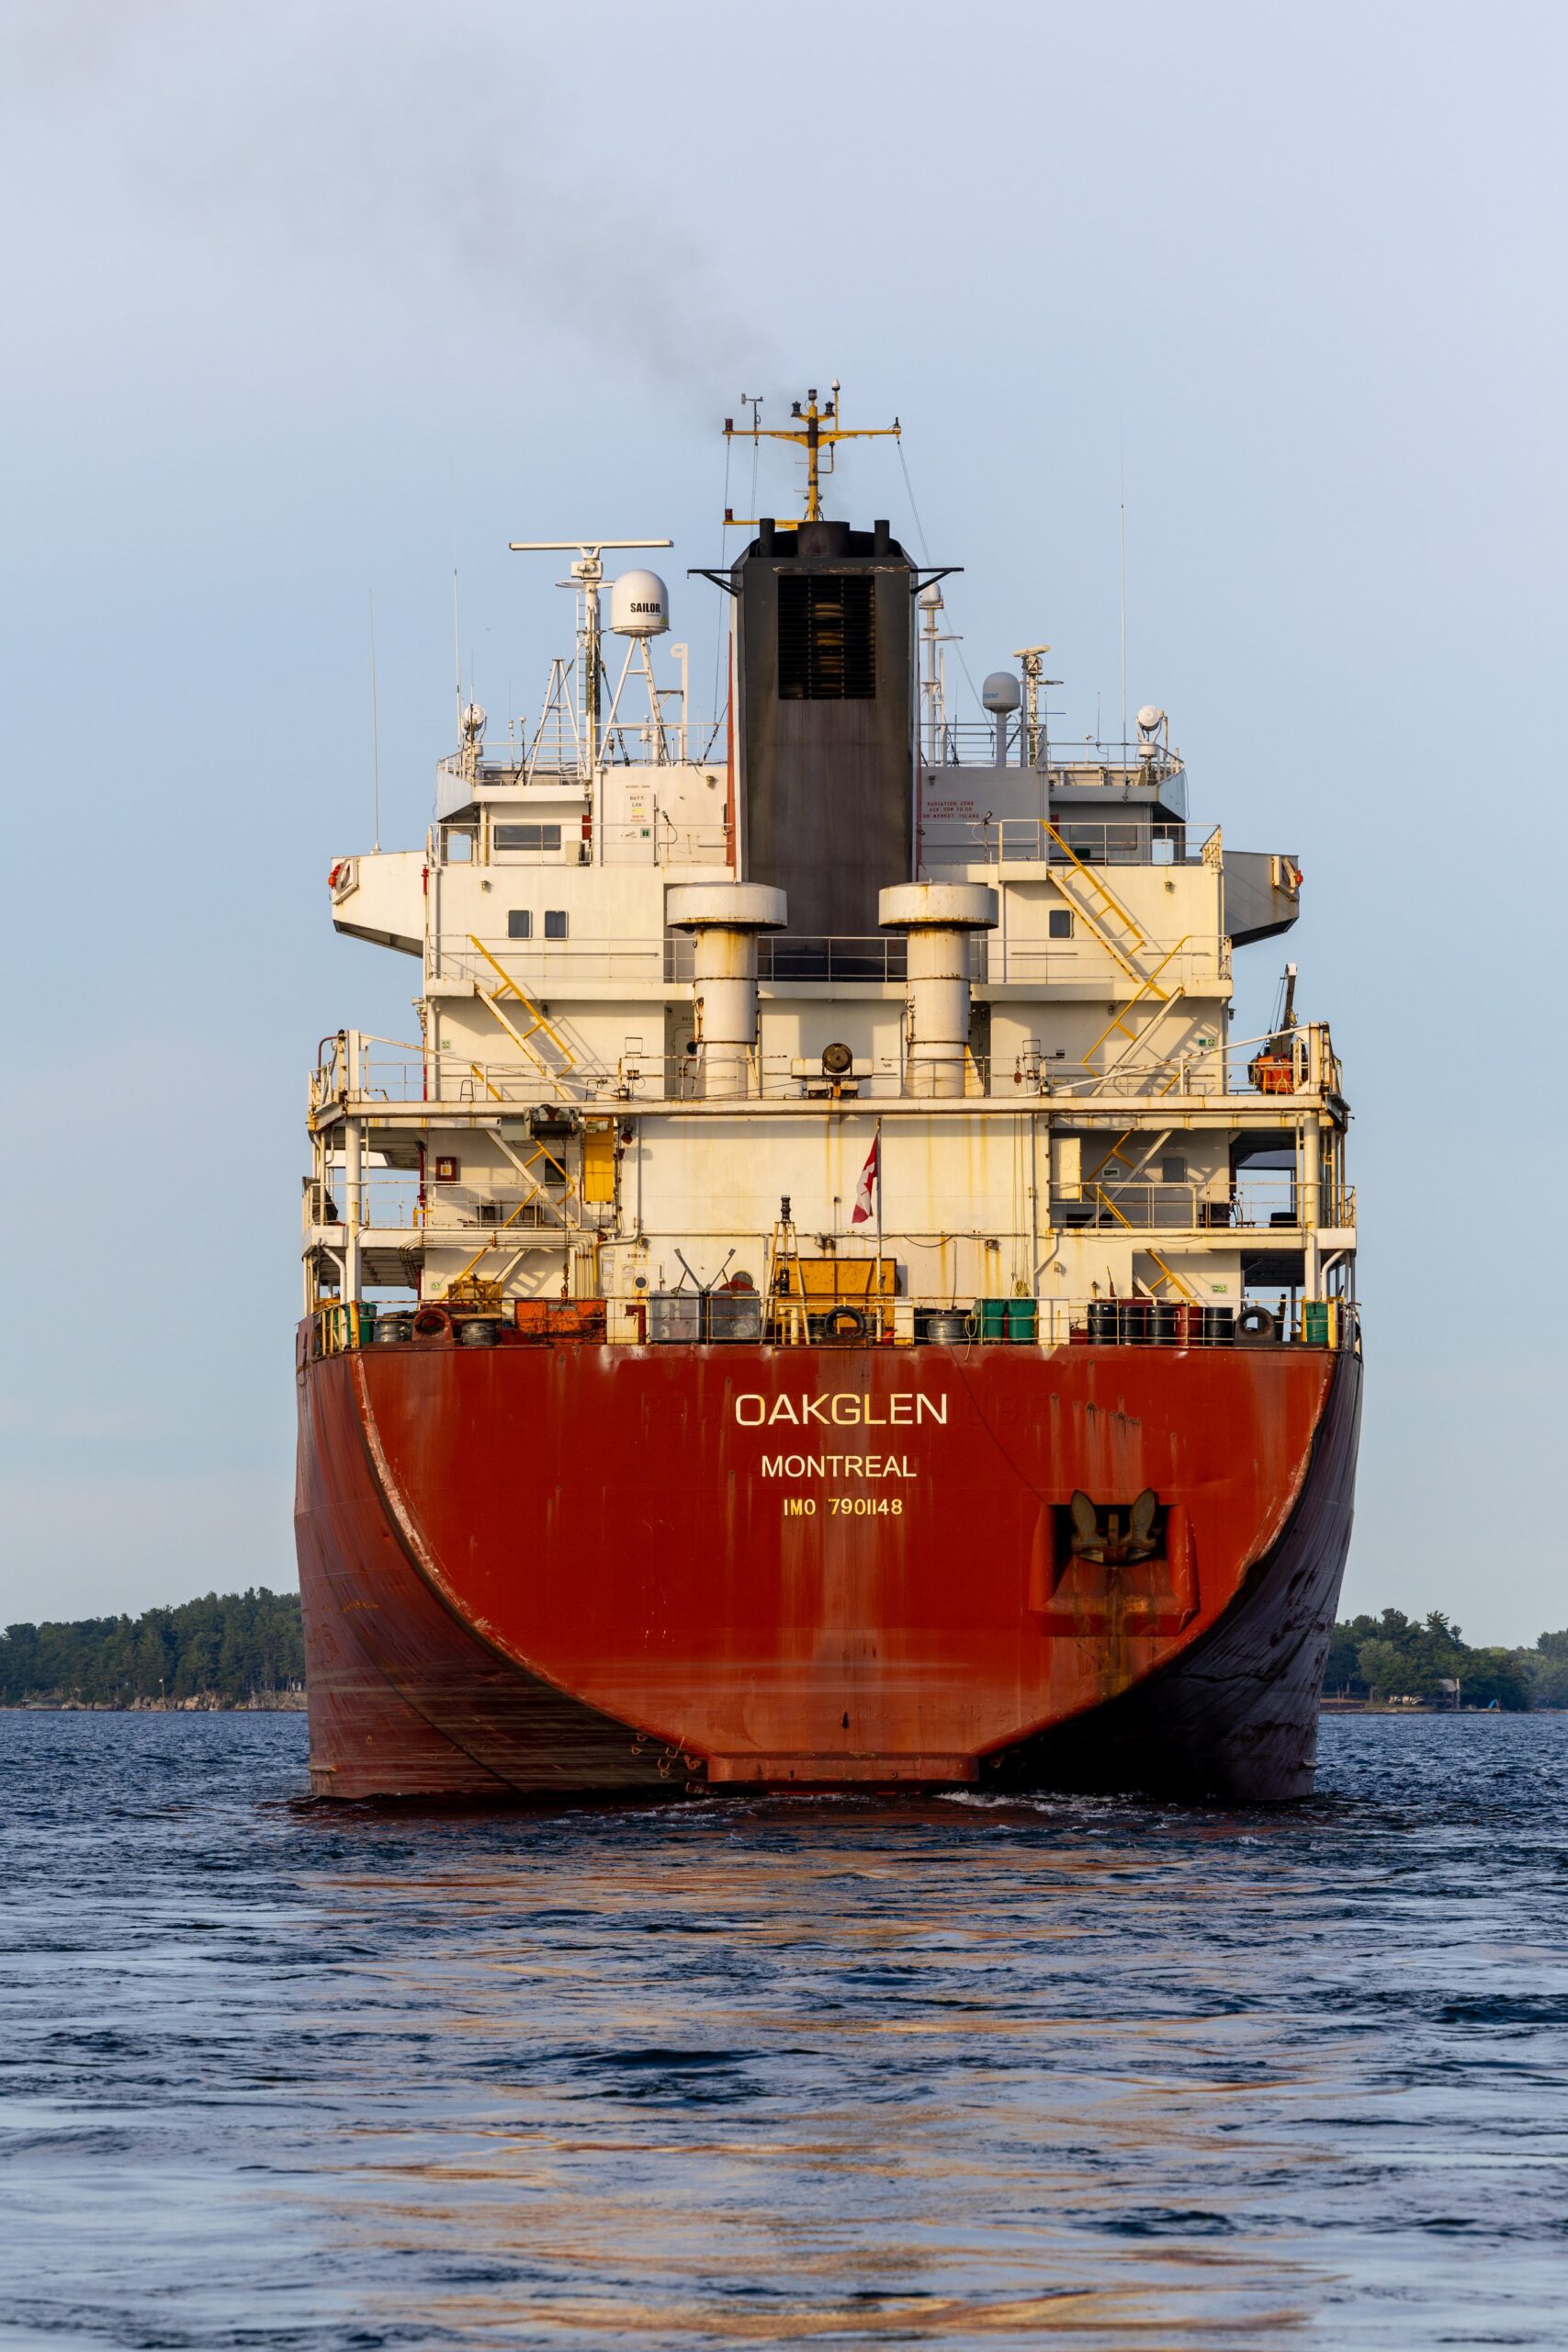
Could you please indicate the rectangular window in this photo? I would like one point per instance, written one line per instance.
(537, 837)
(1060, 922)
(520, 923)
(1173, 1171)
(826, 637)
(555, 923)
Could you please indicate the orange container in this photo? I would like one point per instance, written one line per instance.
(531, 1317)
(577, 1318)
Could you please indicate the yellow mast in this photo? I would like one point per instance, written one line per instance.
(816, 429)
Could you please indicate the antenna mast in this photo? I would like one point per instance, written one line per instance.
(813, 430)
(374, 728)
(588, 578)
(457, 649)
(1123, 528)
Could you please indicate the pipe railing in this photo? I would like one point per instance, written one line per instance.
(689, 1317)
(360, 1074)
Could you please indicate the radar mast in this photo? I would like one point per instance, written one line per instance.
(813, 430)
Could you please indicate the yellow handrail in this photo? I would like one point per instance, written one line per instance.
(1108, 897)
(1168, 1272)
(486, 1247)
(1146, 985)
(520, 1039)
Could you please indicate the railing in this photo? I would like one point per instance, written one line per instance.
(878, 956)
(344, 1066)
(661, 841)
(972, 742)
(719, 1319)
(554, 758)
(1133, 840)
(877, 960)
(658, 841)
(353, 1066)
(1243, 1066)
(1254, 1204)
(637, 742)
(1000, 956)
(558, 963)
(390, 1200)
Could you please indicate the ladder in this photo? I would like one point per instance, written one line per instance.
(538, 1025)
(1124, 942)
(536, 1195)
(786, 1298)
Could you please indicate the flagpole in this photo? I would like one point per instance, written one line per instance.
(878, 1148)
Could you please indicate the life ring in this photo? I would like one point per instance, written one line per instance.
(433, 1323)
(1255, 1327)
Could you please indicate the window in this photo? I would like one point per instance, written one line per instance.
(1060, 922)
(1173, 1171)
(520, 923)
(826, 637)
(555, 923)
(535, 837)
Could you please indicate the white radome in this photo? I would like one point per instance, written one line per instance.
(1149, 717)
(639, 605)
(1002, 692)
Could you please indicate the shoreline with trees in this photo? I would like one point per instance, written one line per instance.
(1397, 1661)
(246, 1650)
(242, 1650)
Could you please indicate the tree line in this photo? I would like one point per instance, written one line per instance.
(1395, 1656)
(229, 1647)
(242, 1645)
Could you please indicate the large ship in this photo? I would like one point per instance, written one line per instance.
(825, 1301)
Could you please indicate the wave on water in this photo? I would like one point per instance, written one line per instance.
(969, 2068)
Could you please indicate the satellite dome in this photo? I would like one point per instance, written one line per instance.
(639, 605)
(474, 716)
(1150, 717)
(1002, 692)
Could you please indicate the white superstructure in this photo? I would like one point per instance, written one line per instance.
(634, 1079)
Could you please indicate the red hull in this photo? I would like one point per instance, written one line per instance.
(574, 1568)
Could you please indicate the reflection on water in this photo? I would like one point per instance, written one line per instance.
(965, 2072)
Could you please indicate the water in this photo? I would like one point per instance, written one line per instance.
(960, 2073)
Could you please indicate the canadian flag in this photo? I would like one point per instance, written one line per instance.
(870, 1176)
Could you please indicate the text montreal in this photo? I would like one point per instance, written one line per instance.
(837, 1466)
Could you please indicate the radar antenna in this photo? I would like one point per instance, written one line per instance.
(813, 430)
(588, 579)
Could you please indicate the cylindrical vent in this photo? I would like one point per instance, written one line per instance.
(725, 918)
(938, 918)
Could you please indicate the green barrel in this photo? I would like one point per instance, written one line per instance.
(1023, 1320)
(993, 1318)
(1314, 1322)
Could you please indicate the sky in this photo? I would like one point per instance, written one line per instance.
(315, 304)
